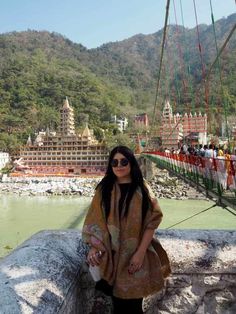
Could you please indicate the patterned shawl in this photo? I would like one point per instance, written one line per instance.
(119, 238)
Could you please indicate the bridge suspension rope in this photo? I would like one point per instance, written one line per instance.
(193, 102)
(193, 96)
(206, 92)
(220, 71)
(185, 98)
(161, 60)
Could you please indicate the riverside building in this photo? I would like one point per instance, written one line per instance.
(4, 159)
(176, 128)
(141, 120)
(65, 153)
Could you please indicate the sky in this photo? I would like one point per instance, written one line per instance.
(96, 22)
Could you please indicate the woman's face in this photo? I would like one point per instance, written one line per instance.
(121, 167)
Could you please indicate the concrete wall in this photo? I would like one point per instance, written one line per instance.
(47, 274)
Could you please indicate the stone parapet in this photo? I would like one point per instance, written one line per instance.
(203, 276)
(48, 274)
(43, 274)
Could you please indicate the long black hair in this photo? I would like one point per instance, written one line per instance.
(109, 179)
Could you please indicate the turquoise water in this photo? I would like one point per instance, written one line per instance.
(20, 217)
(196, 214)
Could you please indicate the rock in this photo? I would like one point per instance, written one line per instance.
(160, 180)
(211, 280)
(166, 186)
(50, 186)
(48, 274)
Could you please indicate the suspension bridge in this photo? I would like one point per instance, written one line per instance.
(214, 174)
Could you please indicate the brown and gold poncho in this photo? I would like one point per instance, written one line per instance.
(119, 238)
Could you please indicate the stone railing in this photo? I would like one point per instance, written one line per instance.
(48, 274)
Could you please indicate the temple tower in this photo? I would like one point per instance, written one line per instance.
(167, 114)
(67, 124)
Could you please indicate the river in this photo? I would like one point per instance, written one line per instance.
(22, 216)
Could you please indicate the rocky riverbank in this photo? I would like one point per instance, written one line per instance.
(48, 186)
(163, 185)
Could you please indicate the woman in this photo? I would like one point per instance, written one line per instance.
(119, 228)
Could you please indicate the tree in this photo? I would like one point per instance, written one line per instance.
(47, 117)
(99, 133)
(9, 143)
(11, 123)
(119, 139)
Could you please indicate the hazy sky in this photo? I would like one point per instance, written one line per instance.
(95, 22)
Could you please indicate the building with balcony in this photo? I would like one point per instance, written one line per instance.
(122, 123)
(176, 128)
(65, 152)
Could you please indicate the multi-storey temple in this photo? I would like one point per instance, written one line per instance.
(177, 129)
(66, 152)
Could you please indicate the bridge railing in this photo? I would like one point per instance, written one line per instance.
(217, 175)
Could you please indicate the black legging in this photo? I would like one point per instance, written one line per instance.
(127, 306)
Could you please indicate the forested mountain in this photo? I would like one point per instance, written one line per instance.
(135, 62)
(38, 69)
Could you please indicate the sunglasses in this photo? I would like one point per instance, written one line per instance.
(123, 162)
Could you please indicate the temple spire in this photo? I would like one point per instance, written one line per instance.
(86, 131)
(29, 141)
(66, 104)
(67, 124)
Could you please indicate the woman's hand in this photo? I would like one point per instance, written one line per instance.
(136, 262)
(137, 259)
(94, 257)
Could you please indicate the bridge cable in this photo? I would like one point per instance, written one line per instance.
(180, 52)
(172, 71)
(220, 52)
(182, 67)
(207, 77)
(161, 60)
(220, 72)
(181, 221)
(201, 58)
(210, 69)
(188, 59)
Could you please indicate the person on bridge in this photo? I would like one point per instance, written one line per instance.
(119, 228)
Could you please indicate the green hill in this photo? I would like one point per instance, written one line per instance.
(38, 69)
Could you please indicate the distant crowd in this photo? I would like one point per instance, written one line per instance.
(208, 151)
(214, 163)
